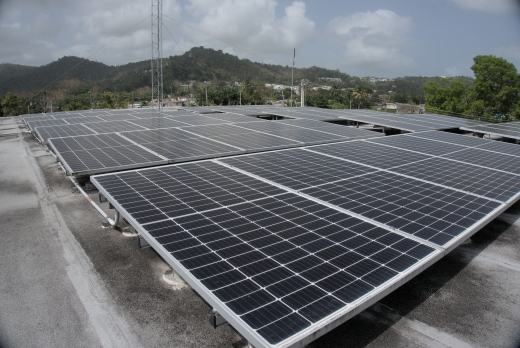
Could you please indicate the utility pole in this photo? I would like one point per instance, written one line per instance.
(292, 79)
(304, 83)
(157, 75)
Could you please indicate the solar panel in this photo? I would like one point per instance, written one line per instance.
(157, 122)
(234, 118)
(177, 145)
(371, 154)
(450, 138)
(304, 135)
(470, 141)
(509, 130)
(101, 153)
(119, 117)
(197, 120)
(113, 126)
(43, 123)
(296, 168)
(45, 133)
(412, 206)
(466, 177)
(422, 145)
(249, 140)
(276, 265)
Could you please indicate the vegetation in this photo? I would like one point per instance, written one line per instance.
(215, 78)
(495, 94)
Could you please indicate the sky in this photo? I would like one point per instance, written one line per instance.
(379, 38)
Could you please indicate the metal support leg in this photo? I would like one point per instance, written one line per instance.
(216, 320)
(142, 242)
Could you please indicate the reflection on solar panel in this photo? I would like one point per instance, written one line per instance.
(273, 263)
(101, 153)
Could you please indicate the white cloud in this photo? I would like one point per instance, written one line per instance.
(251, 25)
(373, 40)
(493, 6)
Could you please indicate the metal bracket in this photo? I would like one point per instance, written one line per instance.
(110, 206)
(142, 242)
(102, 199)
(216, 320)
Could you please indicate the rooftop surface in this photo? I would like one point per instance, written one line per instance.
(67, 281)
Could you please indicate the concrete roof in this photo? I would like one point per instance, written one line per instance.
(65, 281)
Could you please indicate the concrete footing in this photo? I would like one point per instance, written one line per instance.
(129, 232)
(174, 279)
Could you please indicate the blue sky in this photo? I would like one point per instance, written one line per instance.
(361, 38)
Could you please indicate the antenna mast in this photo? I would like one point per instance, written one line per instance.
(157, 76)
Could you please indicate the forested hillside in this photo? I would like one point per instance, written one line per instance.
(199, 64)
(75, 83)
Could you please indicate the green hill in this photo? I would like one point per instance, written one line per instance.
(199, 64)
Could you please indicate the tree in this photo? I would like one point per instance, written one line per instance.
(11, 104)
(454, 97)
(497, 85)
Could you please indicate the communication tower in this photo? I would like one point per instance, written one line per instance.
(157, 76)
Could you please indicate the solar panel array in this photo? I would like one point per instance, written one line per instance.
(405, 122)
(509, 130)
(288, 244)
(175, 136)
